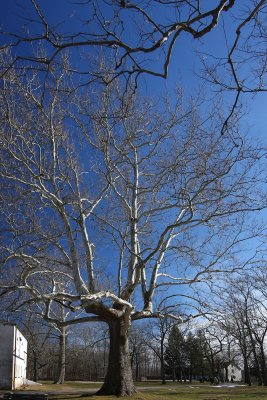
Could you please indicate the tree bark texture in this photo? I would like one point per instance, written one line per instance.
(62, 357)
(226, 374)
(162, 368)
(247, 378)
(118, 380)
(35, 373)
(263, 364)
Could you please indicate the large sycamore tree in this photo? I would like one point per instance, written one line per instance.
(109, 199)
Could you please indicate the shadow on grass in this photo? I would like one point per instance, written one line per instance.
(70, 396)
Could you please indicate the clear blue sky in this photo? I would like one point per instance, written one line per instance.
(183, 67)
(184, 63)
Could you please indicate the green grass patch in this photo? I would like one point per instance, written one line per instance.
(49, 385)
(195, 392)
(154, 391)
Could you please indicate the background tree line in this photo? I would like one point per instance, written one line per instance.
(233, 335)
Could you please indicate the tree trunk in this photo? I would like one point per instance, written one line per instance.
(137, 378)
(257, 364)
(62, 357)
(247, 378)
(162, 366)
(173, 373)
(263, 364)
(181, 375)
(190, 372)
(35, 370)
(163, 375)
(212, 365)
(118, 380)
(226, 373)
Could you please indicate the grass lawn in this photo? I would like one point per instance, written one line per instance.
(154, 391)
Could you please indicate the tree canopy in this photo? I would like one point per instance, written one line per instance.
(116, 206)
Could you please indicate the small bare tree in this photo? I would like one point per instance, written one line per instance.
(245, 320)
(157, 341)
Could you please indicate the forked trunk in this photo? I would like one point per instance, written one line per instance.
(118, 380)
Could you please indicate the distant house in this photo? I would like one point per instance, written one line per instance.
(13, 357)
(234, 373)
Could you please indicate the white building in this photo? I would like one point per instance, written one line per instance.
(235, 373)
(13, 357)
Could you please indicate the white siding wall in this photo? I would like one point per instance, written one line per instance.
(6, 355)
(19, 359)
(13, 357)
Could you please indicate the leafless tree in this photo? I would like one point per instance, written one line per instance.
(130, 31)
(214, 347)
(87, 352)
(156, 340)
(138, 38)
(119, 201)
(244, 318)
(246, 51)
